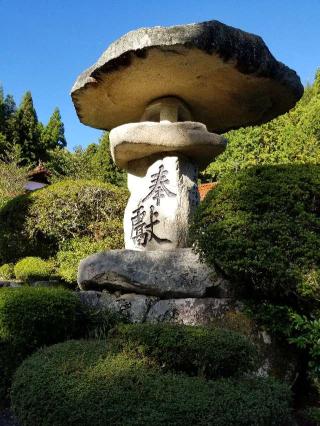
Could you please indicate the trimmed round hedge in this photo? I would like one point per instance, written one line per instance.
(6, 271)
(31, 318)
(261, 228)
(39, 222)
(195, 350)
(32, 269)
(81, 383)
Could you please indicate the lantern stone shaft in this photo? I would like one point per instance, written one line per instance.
(162, 182)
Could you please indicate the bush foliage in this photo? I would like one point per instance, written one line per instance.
(261, 228)
(31, 318)
(70, 209)
(292, 138)
(38, 223)
(201, 351)
(73, 251)
(81, 383)
(94, 162)
(6, 271)
(32, 269)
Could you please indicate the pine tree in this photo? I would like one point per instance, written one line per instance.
(103, 162)
(2, 121)
(52, 135)
(7, 112)
(26, 131)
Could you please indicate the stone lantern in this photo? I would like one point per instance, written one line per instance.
(166, 94)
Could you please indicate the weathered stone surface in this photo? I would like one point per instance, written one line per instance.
(161, 203)
(191, 311)
(134, 307)
(51, 283)
(139, 308)
(176, 273)
(228, 78)
(134, 141)
(275, 359)
(12, 284)
(91, 298)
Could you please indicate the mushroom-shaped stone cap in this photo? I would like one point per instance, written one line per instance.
(227, 77)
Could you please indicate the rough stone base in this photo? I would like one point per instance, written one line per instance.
(276, 359)
(141, 308)
(12, 284)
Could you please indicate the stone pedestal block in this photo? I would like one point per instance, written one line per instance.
(177, 273)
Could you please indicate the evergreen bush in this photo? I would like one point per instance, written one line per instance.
(7, 271)
(32, 269)
(82, 383)
(31, 318)
(292, 138)
(195, 350)
(39, 223)
(73, 251)
(71, 209)
(261, 228)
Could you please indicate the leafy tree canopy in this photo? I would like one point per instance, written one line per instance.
(293, 138)
(94, 162)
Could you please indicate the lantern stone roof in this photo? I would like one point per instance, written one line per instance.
(227, 77)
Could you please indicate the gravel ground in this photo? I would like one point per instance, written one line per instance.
(6, 419)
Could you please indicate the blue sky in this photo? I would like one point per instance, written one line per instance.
(45, 44)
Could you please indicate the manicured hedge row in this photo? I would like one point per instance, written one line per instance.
(201, 351)
(82, 383)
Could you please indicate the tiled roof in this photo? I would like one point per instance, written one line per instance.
(204, 188)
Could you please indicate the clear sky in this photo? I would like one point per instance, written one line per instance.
(45, 44)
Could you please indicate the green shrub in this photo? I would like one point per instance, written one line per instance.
(6, 271)
(261, 228)
(289, 139)
(99, 322)
(69, 257)
(33, 268)
(3, 201)
(15, 241)
(310, 416)
(70, 209)
(81, 383)
(31, 318)
(38, 223)
(194, 350)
